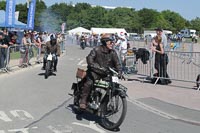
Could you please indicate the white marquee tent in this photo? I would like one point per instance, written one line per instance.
(79, 30)
(107, 30)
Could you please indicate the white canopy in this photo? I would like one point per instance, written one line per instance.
(108, 30)
(79, 30)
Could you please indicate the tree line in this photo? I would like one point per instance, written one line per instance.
(87, 16)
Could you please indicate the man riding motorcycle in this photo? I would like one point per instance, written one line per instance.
(53, 48)
(99, 59)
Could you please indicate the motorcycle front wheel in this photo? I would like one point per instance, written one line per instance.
(113, 112)
(47, 70)
(83, 45)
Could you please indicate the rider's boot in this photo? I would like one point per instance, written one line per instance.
(55, 66)
(44, 66)
(83, 102)
(85, 93)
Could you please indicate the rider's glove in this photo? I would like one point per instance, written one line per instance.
(104, 70)
(120, 75)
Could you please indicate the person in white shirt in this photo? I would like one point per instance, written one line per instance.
(122, 48)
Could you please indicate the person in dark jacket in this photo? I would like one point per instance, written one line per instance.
(53, 48)
(98, 60)
(160, 60)
(3, 50)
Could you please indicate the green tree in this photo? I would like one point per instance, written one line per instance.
(124, 18)
(2, 5)
(195, 24)
(81, 6)
(175, 20)
(23, 11)
(148, 17)
(63, 10)
(40, 8)
(83, 14)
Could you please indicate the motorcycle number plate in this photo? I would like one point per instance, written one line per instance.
(115, 79)
(49, 57)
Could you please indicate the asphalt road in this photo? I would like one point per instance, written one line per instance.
(29, 103)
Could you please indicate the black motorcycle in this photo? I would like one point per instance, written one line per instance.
(83, 43)
(106, 100)
(49, 65)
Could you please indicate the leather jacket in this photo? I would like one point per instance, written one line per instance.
(102, 57)
(53, 48)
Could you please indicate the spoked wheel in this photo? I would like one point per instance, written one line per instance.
(47, 69)
(113, 112)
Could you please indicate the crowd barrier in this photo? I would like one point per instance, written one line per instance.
(20, 56)
(183, 62)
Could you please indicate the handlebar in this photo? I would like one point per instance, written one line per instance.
(112, 70)
(121, 76)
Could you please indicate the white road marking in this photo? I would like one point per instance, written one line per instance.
(34, 127)
(22, 130)
(91, 125)
(4, 117)
(54, 129)
(163, 114)
(153, 110)
(1, 131)
(64, 129)
(16, 113)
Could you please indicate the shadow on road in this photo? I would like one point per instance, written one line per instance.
(49, 113)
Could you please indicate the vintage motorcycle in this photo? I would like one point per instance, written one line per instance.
(83, 43)
(106, 100)
(49, 65)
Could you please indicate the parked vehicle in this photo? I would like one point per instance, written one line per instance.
(107, 100)
(187, 33)
(134, 36)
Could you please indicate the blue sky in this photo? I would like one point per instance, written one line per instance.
(188, 9)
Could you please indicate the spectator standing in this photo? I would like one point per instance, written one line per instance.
(194, 38)
(161, 59)
(38, 43)
(121, 49)
(60, 42)
(160, 33)
(45, 37)
(98, 40)
(24, 51)
(91, 40)
(3, 50)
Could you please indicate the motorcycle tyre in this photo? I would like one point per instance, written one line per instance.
(120, 120)
(83, 46)
(47, 70)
